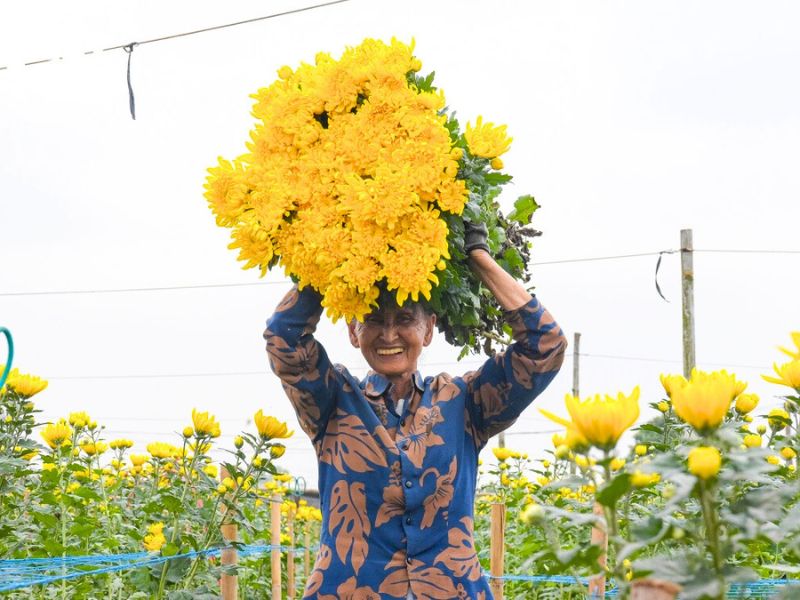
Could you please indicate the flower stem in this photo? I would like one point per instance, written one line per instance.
(712, 535)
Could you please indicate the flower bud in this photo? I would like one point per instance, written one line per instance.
(188, 431)
(238, 441)
(704, 462)
(532, 514)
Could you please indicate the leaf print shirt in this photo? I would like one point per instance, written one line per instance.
(397, 487)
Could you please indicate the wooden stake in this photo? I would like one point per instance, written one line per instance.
(687, 288)
(576, 363)
(654, 589)
(597, 585)
(290, 557)
(498, 546)
(275, 503)
(307, 552)
(228, 583)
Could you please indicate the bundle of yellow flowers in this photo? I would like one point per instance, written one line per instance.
(355, 181)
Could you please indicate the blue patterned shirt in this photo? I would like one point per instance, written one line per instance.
(397, 490)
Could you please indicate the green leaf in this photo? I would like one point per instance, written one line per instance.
(612, 491)
(524, 207)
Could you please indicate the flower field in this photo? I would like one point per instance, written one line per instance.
(706, 496)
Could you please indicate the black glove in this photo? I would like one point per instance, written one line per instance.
(476, 237)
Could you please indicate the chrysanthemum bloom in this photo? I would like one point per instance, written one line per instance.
(120, 444)
(94, 448)
(788, 453)
(640, 479)
(704, 462)
(778, 419)
(745, 403)
(205, 424)
(773, 460)
(56, 434)
(79, 419)
(532, 513)
(640, 450)
(705, 399)
(154, 539)
(23, 384)
(271, 428)
(795, 354)
(487, 140)
(663, 406)
(752, 440)
(137, 460)
(502, 454)
(161, 450)
(672, 383)
(617, 464)
(571, 439)
(601, 420)
(788, 374)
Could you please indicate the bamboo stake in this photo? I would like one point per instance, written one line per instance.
(307, 552)
(687, 288)
(654, 589)
(290, 557)
(229, 583)
(597, 585)
(576, 365)
(498, 528)
(276, 542)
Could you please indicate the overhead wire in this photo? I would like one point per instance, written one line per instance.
(188, 33)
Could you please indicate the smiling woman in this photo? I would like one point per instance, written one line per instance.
(378, 439)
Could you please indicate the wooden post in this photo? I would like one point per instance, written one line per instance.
(275, 504)
(498, 546)
(576, 362)
(228, 583)
(687, 288)
(654, 589)
(597, 585)
(290, 556)
(307, 551)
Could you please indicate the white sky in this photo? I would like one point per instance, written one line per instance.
(631, 121)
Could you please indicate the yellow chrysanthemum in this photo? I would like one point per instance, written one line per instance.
(778, 419)
(94, 448)
(795, 354)
(640, 479)
(487, 140)
(154, 539)
(704, 400)
(704, 462)
(23, 384)
(788, 374)
(752, 440)
(161, 450)
(57, 434)
(745, 403)
(205, 424)
(271, 428)
(120, 444)
(79, 419)
(502, 454)
(601, 420)
(347, 167)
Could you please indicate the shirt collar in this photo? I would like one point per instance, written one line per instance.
(376, 384)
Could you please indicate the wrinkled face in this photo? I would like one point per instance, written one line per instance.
(392, 339)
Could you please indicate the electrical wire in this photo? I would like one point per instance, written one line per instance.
(188, 33)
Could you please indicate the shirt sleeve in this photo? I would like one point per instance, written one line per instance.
(507, 383)
(300, 361)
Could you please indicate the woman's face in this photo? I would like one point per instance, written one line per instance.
(392, 339)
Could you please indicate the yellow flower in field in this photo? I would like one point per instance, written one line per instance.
(79, 419)
(788, 374)
(640, 450)
(762, 429)
(497, 164)
(271, 428)
(211, 471)
(562, 452)
(705, 399)
(120, 444)
(202, 448)
(788, 453)
(532, 513)
(23, 384)
(229, 483)
(672, 383)
(795, 354)
(137, 460)
(282, 477)
(617, 463)
(161, 450)
(94, 448)
(746, 403)
(501, 454)
(188, 431)
(487, 140)
(773, 460)
(571, 439)
(640, 479)
(601, 420)
(752, 440)
(704, 462)
(582, 461)
(663, 406)
(238, 442)
(778, 419)
(154, 539)
(56, 434)
(277, 450)
(205, 424)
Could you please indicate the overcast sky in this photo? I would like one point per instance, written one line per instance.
(631, 121)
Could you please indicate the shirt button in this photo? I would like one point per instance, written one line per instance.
(402, 422)
(404, 446)
(408, 483)
(408, 520)
(408, 559)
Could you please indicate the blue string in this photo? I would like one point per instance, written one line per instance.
(18, 573)
(10, 358)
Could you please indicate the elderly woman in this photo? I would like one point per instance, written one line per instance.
(398, 453)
